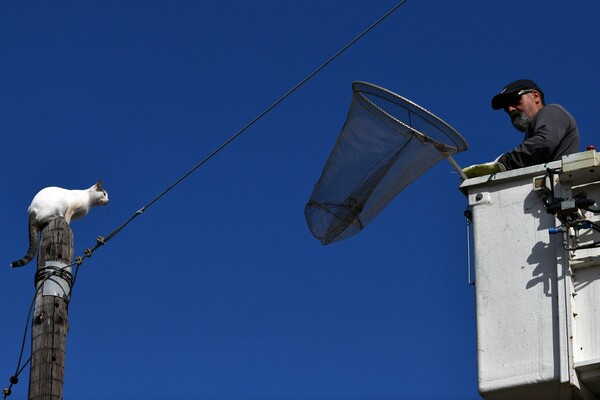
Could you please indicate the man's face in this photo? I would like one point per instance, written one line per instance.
(523, 108)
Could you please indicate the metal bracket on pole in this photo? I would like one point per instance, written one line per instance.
(58, 279)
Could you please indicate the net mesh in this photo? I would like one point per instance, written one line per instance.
(385, 144)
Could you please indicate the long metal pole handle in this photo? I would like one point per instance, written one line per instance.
(457, 168)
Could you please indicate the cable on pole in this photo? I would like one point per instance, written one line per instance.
(101, 241)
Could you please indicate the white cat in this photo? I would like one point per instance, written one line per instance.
(53, 202)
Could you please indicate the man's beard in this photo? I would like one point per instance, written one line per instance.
(520, 121)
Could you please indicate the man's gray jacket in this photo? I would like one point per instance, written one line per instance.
(550, 135)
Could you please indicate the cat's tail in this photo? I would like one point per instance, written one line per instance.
(33, 244)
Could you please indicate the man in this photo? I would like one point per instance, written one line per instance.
(550, 131)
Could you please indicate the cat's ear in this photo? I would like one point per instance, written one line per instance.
(99, 186)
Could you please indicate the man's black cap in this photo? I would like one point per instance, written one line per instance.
(510, 93)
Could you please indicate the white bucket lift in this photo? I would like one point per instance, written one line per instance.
(537, 280)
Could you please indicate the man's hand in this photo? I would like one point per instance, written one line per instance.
(483, 169)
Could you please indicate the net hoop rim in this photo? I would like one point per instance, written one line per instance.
(359, 92)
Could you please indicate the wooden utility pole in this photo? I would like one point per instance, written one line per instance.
(50, 318)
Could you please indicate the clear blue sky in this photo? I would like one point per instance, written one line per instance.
(219, 291)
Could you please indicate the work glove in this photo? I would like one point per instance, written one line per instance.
(484, 169)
